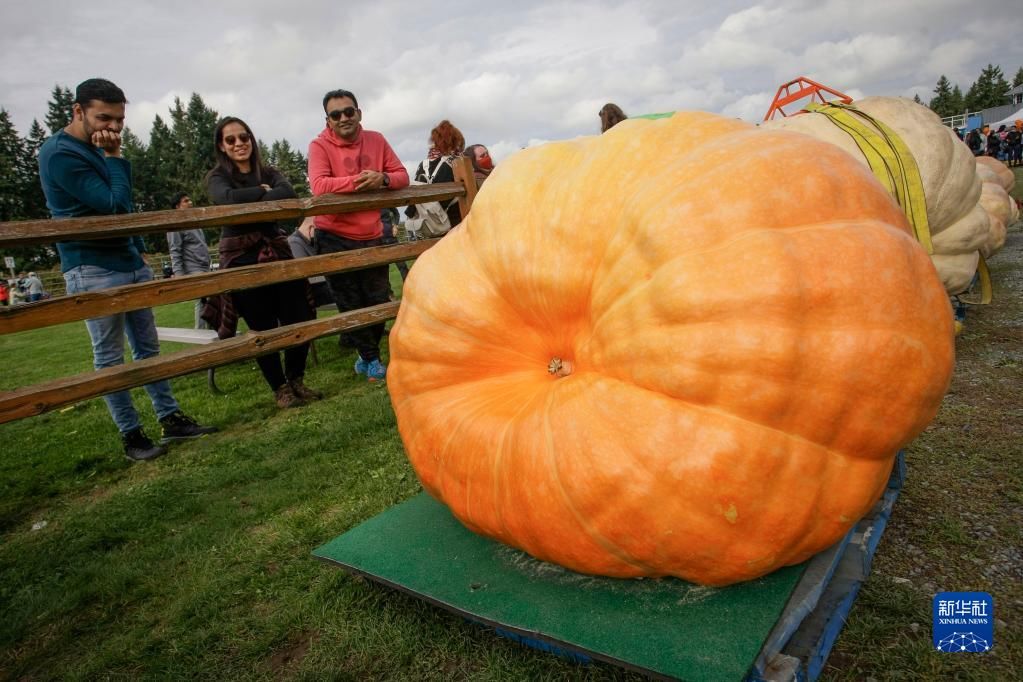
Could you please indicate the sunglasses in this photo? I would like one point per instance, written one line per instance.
(347, 112)
(242, 138)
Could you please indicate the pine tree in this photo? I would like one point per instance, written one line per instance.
(58, 113)
(940, 103)
(32, 192)
(1018, 78)
(989, 90)
(192, 128)
(17, 193)
(291, 164)
(12, 154)
(916, 98)
(956, 101)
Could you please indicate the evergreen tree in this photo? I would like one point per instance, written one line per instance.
(148, 193)
(956, 101)
(916, 98)
(292, 164)
(34, 199)
(941, 102)
(192, 128)
(989, 90)
(17, 194)
(12, 154)
(58, 113)
(1018, 78)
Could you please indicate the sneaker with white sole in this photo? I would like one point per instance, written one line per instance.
(376, 370)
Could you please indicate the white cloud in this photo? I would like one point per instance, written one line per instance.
(507, 75)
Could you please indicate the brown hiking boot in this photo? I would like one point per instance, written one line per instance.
(286, 397)
(304, 392)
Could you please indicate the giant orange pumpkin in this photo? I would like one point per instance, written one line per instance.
(687, 347)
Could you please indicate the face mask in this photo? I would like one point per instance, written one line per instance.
(486, 163)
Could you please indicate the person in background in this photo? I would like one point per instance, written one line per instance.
(610, 115)
(83, 173)
(1014, 141)
(34, 285)
(303, 244)
(240, 177)
(482, 164)
(992, 143)
(5, 293)
(346, 158)
(390, 219)
(189, 254)
(446, 144)
(975, 142)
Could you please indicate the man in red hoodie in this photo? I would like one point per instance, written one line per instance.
(345, 158)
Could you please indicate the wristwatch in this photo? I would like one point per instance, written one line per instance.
(387, 180)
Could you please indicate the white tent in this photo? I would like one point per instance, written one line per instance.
(1007, 121)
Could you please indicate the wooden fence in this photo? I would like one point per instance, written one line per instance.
(39, 398)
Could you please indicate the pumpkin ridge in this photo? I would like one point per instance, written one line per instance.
(498, 459)
(731, 416)
(730, 242)
(592, 532)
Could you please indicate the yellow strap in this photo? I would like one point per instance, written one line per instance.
(890, 160)
(985, 281)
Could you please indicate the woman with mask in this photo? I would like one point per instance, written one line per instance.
(482, 164)
(240, 177)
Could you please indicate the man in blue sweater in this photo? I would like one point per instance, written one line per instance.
(83, 174)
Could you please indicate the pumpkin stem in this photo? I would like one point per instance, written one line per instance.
(559, 367)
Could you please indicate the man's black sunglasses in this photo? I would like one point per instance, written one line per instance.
(347, 112)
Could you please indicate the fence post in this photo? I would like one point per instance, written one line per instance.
(463, 174)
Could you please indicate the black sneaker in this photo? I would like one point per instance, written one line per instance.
(138, 447)
(179, 426)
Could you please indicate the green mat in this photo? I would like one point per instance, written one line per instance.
(666, 627)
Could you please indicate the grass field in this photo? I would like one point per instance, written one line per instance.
(198, 565)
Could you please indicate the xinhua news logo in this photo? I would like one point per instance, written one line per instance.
(963, 622)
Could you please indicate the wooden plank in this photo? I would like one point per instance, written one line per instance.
(185, 335)
(464, 175)
(33, 400)
(190, 287)
(26, 232)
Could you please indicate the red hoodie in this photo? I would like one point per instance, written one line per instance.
(334, 164)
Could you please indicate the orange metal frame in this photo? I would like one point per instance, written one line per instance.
(805, 88)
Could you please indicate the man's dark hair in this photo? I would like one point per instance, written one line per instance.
(101, 89)
(339, 93)
(176, 199)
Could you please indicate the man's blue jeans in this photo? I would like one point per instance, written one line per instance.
(108, 334)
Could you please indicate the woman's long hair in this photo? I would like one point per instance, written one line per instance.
(610, 116)
(447, 139)
(224, 162)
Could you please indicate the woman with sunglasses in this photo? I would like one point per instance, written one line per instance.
(240, 177)
(482, 164)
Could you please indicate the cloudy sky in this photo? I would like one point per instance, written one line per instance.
(508, 74)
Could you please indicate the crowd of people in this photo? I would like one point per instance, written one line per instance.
(1004, 144)
(83, 173)
(25, 288)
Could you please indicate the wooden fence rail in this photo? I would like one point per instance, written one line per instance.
(163, 291)
(26, 232)
(40, 398)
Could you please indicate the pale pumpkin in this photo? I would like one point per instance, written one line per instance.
(686, 347)
(947, 169)
(1006, 178)
(1001, 212)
